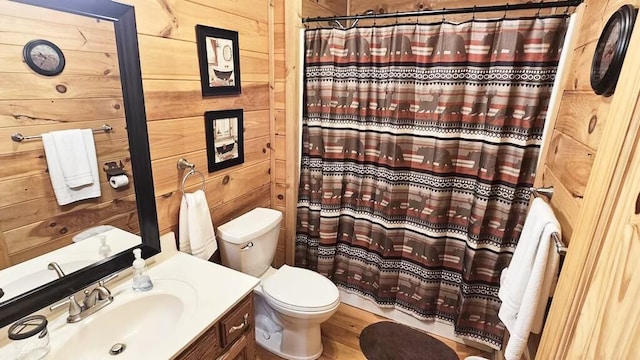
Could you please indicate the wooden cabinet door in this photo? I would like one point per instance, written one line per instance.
(233, 335)
(240, 350)
(205, 348)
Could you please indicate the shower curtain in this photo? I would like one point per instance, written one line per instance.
(420, 144)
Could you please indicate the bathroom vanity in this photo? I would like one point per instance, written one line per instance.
(231, 338)
(196, 310)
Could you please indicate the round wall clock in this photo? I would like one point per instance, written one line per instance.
(611, 49)
(43, 57)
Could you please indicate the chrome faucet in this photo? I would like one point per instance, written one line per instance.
(94, 300)
(54, 266)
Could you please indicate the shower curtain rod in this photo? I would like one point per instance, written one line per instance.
(445, 11)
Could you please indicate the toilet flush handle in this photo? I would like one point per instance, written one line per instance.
(248, 246)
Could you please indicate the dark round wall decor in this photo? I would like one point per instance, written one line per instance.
(611, 49)
(43, 57)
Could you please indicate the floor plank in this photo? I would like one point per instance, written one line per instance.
(340, 337)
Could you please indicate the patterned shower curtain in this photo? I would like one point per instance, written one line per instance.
(420, 143)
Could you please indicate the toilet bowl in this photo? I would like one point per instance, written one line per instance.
(290, 302)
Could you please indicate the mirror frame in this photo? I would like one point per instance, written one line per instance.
(123, 18)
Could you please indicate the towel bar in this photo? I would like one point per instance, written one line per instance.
(17, 137)
(546, 191)
(561, 248)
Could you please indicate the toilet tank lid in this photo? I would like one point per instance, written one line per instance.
(249, 225)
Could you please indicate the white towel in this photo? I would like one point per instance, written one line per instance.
(64, 151)
(196, 234)
(70, 146)
(525, 285)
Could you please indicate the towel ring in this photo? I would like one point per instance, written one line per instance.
(183, 165)
(191, 172)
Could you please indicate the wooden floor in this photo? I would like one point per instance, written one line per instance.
(341, 332)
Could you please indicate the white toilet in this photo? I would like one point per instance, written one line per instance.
(290, 302)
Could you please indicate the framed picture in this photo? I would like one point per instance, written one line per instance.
(225, 146)
(218, 55)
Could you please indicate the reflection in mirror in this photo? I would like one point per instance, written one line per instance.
(28, 275)
(100, 83)
(85, 95)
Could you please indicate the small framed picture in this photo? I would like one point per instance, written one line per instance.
(219, 59)
(225, 145)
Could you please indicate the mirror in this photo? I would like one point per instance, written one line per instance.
(61, 73)
(130, 208)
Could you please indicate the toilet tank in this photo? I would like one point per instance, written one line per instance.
(248, 243)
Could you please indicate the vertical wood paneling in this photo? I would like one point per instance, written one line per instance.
(275, 71)
(608, 325)
(287, 20)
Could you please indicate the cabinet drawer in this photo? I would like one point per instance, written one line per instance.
(237, 322)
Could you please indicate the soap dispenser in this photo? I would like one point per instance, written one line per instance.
(104, 250)
(141, 281)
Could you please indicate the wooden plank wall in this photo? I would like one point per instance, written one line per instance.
(86, 95)
(593, 139)
(580, 124)
(175, 106)
(287, 22)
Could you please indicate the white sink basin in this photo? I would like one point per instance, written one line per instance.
(138, 321)
(188, 296)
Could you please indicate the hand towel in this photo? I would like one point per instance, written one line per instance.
(60, 158)
(525, 285)
(70, 146)
(196, 235)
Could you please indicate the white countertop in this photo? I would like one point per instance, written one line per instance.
(218, 289)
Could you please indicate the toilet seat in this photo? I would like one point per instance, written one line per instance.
(301, 290)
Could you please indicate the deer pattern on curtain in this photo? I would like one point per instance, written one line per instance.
(420, 143)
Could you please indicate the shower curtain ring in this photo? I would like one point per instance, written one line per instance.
(473, 16)
(566, 11)
(443, 10)
(506, 8)
(397, 17)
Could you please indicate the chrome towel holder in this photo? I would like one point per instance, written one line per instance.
(183, 164)
(561, 248)
(18, 137)
(544, 191)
